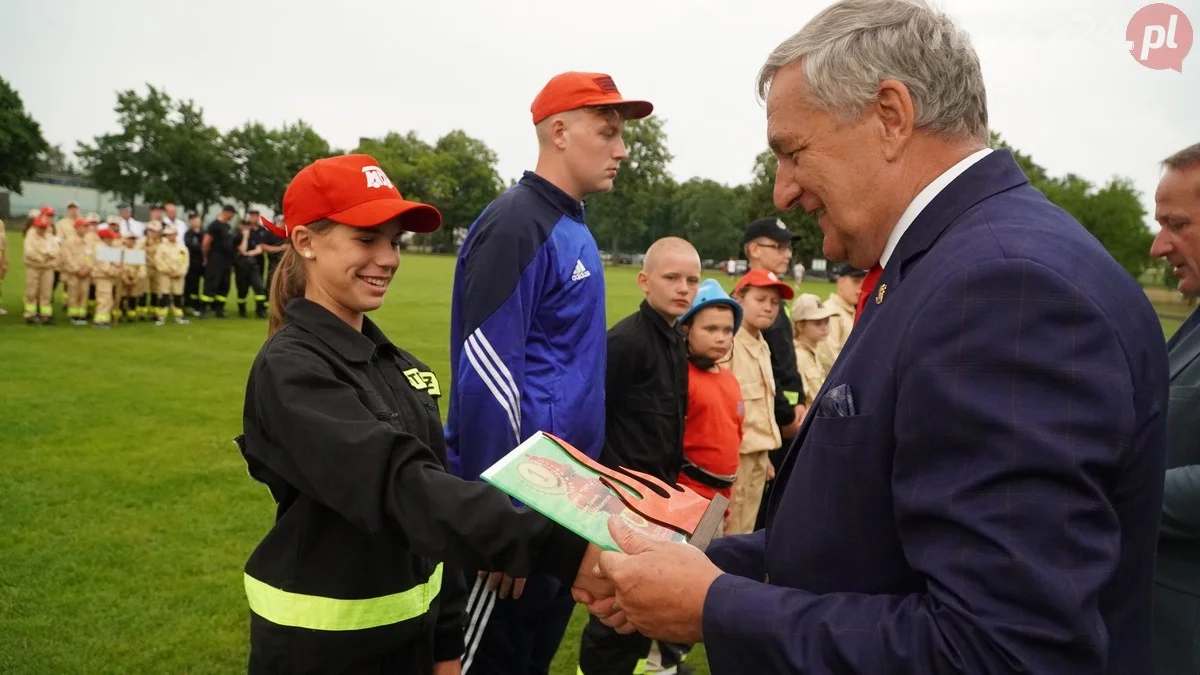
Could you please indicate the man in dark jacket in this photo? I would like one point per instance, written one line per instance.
(646, 402)
(768, 245)
(1177, 567)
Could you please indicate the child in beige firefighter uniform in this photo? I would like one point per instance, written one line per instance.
(105, 276)
(171, 265)
(75, 266)
(759, 293)
(41, 256)
(148, 300)
(810, 330)
(131, 283)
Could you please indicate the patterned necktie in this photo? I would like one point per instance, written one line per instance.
(868, 287)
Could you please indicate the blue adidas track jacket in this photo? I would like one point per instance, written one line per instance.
(527, 329)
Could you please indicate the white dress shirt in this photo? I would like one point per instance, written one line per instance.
(923, 198)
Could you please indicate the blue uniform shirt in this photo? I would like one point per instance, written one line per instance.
(527, 329)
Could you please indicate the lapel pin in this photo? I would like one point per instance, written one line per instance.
(880, 294)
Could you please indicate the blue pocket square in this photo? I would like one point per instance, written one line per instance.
(837, 402)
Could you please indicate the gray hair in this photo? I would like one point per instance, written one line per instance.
(1187, 157)
(853, 45)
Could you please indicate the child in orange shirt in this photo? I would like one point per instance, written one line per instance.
(713, 429)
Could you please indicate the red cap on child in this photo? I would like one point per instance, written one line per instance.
(761, 278)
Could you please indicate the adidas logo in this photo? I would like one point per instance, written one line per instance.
(580, 272)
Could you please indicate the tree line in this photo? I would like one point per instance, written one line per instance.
(165, 151)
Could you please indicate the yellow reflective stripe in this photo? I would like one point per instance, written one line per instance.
(793, 397)
(314, 612)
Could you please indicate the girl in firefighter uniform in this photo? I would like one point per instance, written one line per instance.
(75, 266)
(131, 283)
(41, 258)
(150, 245)
(105, 276)
(362, 570)
(171, 266)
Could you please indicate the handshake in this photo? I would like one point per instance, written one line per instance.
(653, 587)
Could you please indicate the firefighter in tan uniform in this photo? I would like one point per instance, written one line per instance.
(93, 240)
(844, 297)
(148, 300)
(171, 264)
(3, 262)
(131, 283)
(64, 229)
(810, 330)
(41, 257)
(75, 266)
(760, 293)
(105, 276)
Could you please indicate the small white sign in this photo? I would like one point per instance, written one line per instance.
(108, 254)
(134, 256)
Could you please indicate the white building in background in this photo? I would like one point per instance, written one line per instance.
(54, 192)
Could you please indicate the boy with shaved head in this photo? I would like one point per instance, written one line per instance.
(646, 384)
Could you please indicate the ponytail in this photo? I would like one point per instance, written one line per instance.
(289, 280)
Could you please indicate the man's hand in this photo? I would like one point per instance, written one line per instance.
(448, 667)
(660, 586)
(505, 583)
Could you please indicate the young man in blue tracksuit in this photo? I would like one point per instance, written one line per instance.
(527, 339)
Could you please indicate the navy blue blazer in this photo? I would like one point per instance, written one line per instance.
(993, 505)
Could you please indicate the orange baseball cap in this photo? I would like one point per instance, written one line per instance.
(761, 278)
(571, 90)
(352, 190)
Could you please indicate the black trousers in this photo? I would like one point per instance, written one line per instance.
(216, 284)
(284, 650)
(248, 274)
(191, 286)
(516, 637)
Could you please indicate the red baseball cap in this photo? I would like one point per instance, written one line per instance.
(352, 190)
(106, 232)
(47, 210)
(761, 278)
(41, 221)
(571, 90)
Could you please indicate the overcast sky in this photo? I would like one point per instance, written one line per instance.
(1061, 84)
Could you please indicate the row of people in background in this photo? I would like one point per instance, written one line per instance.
(179, 267)
(107, 276)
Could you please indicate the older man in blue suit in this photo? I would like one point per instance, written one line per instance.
(977, 487)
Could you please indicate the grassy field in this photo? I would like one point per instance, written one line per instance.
(125, 510)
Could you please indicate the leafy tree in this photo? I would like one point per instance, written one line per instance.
(192, 168)
(712, 216)
(55, 161)
(619, 217)
(760, 203)
(21, 141)
(125, 163)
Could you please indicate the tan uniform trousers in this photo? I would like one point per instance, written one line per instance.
(77, 294)
(39, 292)
(104, 301)
(165, 285)
(747, 492)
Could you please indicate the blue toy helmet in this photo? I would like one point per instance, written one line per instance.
(710, 293)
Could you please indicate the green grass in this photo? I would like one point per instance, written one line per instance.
(125, 510)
